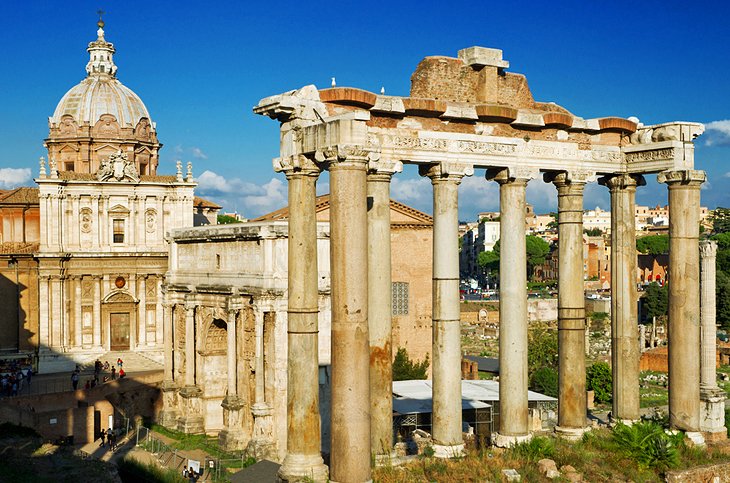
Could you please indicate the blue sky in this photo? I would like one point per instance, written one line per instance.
(201, 66)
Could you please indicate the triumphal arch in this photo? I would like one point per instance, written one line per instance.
(464, 113)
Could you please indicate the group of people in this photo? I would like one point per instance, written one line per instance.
(14, 374)
(110, 437)
(191, 475)
(99, 367)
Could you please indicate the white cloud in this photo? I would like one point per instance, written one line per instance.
(249, 199)
(198, 153)
(726, 175)
(717, 133)
(410, 190)
(14, 177)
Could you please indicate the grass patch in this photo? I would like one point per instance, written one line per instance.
(131, 470)
(184, 441)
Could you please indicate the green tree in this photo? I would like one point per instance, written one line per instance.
(653, 244)
(225, 219)
(537, 251)
(545, 381)
(542, 349)
(600, 380)
(404, 369)
(488, 263)
(553, 225)
(723, 299)
(656, 300)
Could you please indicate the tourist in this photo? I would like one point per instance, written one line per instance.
(122, 373)
(113, 441)
(106, 365)
(109, 438)
(114, 373)
(75, 379)
(102, 436)
(120, 362)
(87, 386)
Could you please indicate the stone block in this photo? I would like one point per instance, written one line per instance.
(483, 56)
(548, 468)
(511, 474)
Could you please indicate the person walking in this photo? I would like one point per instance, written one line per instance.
(114, 373)
(110, 438)
(75, 379)
(102, 436)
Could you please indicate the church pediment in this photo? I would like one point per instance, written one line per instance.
(119, 210)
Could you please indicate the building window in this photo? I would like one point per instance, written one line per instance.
(218, 261)
(400, 298)
(118, 227)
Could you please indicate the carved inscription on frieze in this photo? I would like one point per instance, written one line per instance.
(653, 155)
(447, 145)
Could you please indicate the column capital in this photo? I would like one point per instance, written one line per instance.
(519, 174)
(190, 305)
(708, 249)
(571, 177)
(383, 169)
(690, 177)
(342, 155)
(296, 165)
(234, 304)
(446, 171)
(621, 181)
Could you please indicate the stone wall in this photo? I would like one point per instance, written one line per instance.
(18, 304)
(655, 360)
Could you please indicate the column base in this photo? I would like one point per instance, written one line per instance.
(508, 441)
(712, 412)
(448, 451)
(571, 434)
(628, 422)
(168, 418)
(232, 439)
(191, 421)
(297, 467)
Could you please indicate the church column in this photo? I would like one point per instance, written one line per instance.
(380, 306)
(232, 437)
(131, 239)
(303, 458)
(94, 224)
(103, 221)
(44, 332)
(76, 282)
(74, 232)
(625, 352)
(134, 317)
(142, 311)
(350, 448)
(96, 311)
(684, 297)
(446, 345)
(191, 420)
(571, 305)
(513, 410)
(712, 398)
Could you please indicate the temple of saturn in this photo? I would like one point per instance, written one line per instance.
(465, 113)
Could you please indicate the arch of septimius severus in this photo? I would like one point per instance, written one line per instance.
(465, 113)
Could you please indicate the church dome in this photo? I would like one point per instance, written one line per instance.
(100, 92)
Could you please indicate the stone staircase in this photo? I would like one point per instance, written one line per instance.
(133, 361)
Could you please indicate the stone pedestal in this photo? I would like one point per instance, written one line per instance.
(684, 297)
(169, 415)
(191, 419)
(232, 437)
(262, 445)
(712, 415)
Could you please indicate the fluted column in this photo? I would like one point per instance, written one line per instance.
(625, 352)
(684, 297)
(571, 305)
(446, 345)
(303, 458)
(231, 355)
(78, 326)
(170, 412)
(712, 398)
(190, 343)
(96, 311)
(350, 426)
(380, 305)
(232, 437)
(142, 311)
(513, 410)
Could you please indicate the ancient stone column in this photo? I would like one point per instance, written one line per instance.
(350, 428)
(380, 306)
(232, 437)
(513, 411)
(168, 340)
(624, 318)
(261, 446)
(571, 305)
(191, 420)
(684, 297)
(448, 441)
(169, 413)
(303, 458)
(712, 398)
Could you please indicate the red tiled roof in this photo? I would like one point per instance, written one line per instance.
(199, 202)
(25, 195)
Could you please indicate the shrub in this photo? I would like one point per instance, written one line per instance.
(545, 380)
(533, 450)
(600, 380)
(648, 444)
(404, 369)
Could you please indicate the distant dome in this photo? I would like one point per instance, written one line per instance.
(95, 96)
(101, 92)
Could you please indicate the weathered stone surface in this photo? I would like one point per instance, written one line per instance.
(548, 468)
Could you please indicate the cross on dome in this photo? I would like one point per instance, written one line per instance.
(101, 53)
